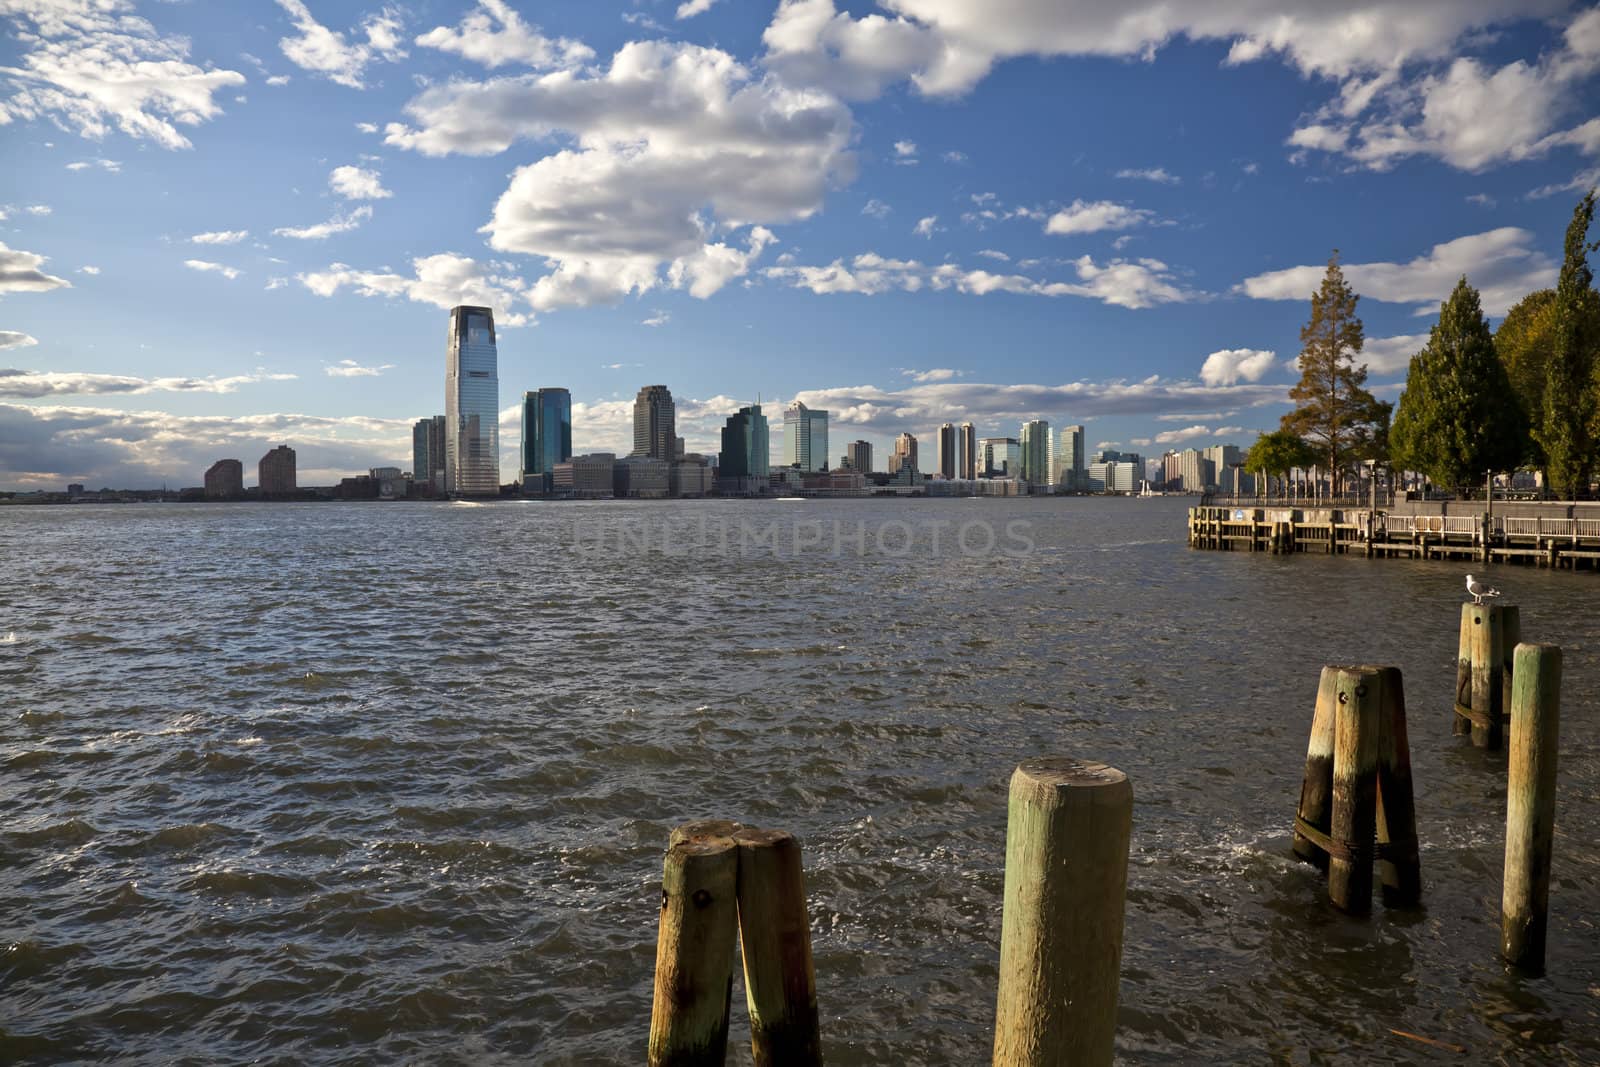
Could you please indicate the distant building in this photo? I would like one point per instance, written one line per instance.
(1114, 476)
(1035, 446)
(427, 452)
(645, 477)
(805, 438)
(588, 477)
(472, 404)
(225, 480)
(858, 456)
(967, 451)
(546, 437)
(1188, 471)
(949, 451)
(655, 420)
(75, 489)
(391, 482)
(904, 454)
(999, 457)
(744, 464)
(678, 451)
(1070, 472)
(1223, 459)
(275, 473)
(689, 478)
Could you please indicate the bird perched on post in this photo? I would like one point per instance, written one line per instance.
(1479, 590)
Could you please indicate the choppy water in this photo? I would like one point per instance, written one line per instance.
(370, 783)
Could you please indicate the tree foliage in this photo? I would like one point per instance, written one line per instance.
(1458, 416)
(1566, 427)
(1333, 412)
(1278, 453)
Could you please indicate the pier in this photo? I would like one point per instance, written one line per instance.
(1540, 534)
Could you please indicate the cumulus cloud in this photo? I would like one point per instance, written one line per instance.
(91, 66)
(357, 183)
(88, 269)
(20, 272)
(991, 253)
(926, 226)
(1390, 355)
(1094, 216)
(14, 339)
(937, 374)
(691, 8)
(219, 237)
(1192, 433)
(876, 208)
(1151, 174)
(109, 165)
(327, 52)
(32, 384)
(494, 35)
(39, 209)
(349, 368)
(676, 147)
(1232, 365)
(207, 266)
(442, 280)
(658, 318)
(1503, 264)
(342, 222)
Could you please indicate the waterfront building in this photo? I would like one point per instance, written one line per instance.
(1223, 459)
(949, 451)
(858, 456)
(275, 473)
(999, 457)
(655, 423)
(677, 445)
(905, 453)
(546, 436)
(1188, 471)
(967, 452)
(590, 477)
(1069, 471)
(691, 476)
(224, 480)
(472, 404)
(644, 477)
(805, 438)
(744, 464)
(1035, 447)
(427, 452)
(391, 482)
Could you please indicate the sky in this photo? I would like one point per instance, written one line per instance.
(225, 226)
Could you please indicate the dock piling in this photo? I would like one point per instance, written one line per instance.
(1399, 861)
(1462, 725)
(1530, 805)
(1355, 788)
(694, 953)
(775, 937)
(1316, 789)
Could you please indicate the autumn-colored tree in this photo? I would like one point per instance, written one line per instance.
(1333, 413)
(1566, 428)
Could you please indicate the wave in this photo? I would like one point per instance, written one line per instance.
(10, 638)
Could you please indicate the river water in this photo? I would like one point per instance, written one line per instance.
(364, 783)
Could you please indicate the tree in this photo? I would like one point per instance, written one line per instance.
(1333, 413)
(1455, 421)
(1278, 453)
(1566, 431)
(1524, 342)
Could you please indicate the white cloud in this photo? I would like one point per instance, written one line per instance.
(367, 127)
(937, 374)
(92, 65)
(327, 52)
(219, 237)
(278, 80)
(109, 165)
(442, 280)
(1151, 174)
(990, 253)
(494, 35)
(954, 156)
(676, 146)
(876, 208)
(926, 226)
(30, 384)
(1581, 183)
(229, 273)
(1482, 200)
(349, 368)
(1094, 216)
(1391, 355)
(86, 269)
(276, 283)
(357, 183)
(15, 339)
(691, 8)
(905, 151)
(39, 209)
(1191, 433)
(1230, 365)
(659, 318)
(1503, 264)
(20, 273)
(342, 222)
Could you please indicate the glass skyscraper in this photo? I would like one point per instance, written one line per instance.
(805, 438)
(1036, 452)
(546, 436)
(472, 404)
(427, 452)
(745, 461)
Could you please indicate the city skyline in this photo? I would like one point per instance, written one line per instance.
(1143, 272)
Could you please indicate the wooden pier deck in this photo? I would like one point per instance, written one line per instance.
(1570, 540)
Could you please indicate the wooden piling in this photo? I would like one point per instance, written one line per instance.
(1463, 724)
(1399, 863)
(775, 935)
(1355, 789)
(1488, 671)
(694, 953)
(1061, 930)
(1510, 638)
(1316, 789)
(703, 828)
(1530, 805)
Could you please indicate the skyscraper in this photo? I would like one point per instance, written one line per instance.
(655, 432)
(1035, 442)
(999, 457)
(968, 451)
(225, 480)
(858, 456)
(275, 472)
(1070, 471)
(805, 438)
(905, 453)
(546, 436)
(743, 466)
(427, 452)
(472, 404)
(949, 450)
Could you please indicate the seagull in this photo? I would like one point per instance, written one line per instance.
(1479, 591)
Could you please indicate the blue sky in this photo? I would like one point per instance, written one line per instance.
(231, 225)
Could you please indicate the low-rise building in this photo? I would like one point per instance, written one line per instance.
(641, 476)
(585, 477)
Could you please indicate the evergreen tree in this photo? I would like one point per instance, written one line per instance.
(1566, 429)
(1524, 342)
(1458, 416)
(1333, 413)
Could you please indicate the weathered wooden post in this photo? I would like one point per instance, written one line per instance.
(1355, 789)
(1463, 723)
(1061, 931)
(1488, 672)
(1530, 805)
(1510, 638)
(775, 935)
(1316, 790)
(1399, 862)
(694, 953)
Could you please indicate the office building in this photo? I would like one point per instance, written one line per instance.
(472, 404)
(546, 437)
(744, 464)
(904, 455)
(427, 453)
(1227, 462)
(1035, 445)
(949, 451)
(590, 477)
(691, 477)
(644, 477)
(1070, 472)
(655, 423)
(858, 456)
(967, 452)
(1188, 471)
(275, 472)
(999, 457)
(224, 480)
(805, 438)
